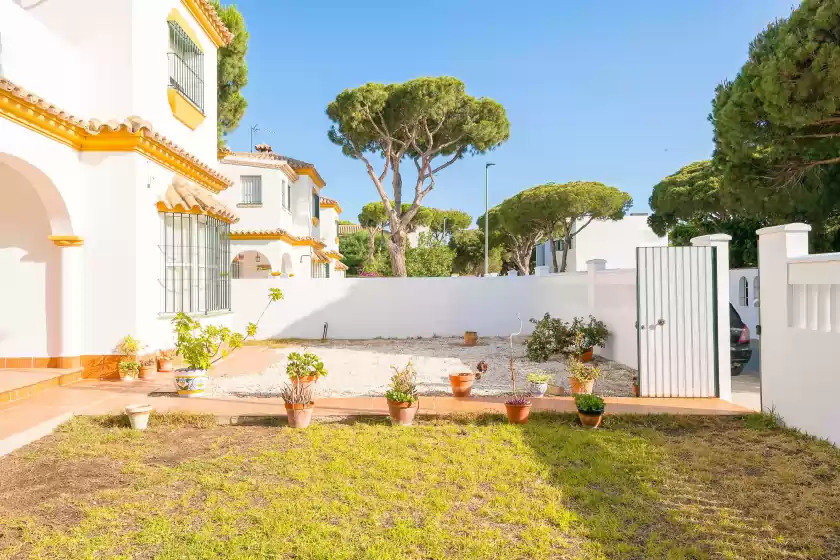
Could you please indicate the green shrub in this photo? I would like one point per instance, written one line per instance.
(304, 365)
(581, 371)
(130, 366)
(589, 404)
(550, 336)
(403, 387)
(539, 377)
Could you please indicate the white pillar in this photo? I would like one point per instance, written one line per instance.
(72, 299)
(776, 245)
(593, 266)
(721, 242)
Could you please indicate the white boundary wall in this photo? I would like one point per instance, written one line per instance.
(365, 308)
(800, 331)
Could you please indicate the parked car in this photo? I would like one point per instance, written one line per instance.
(739, 342)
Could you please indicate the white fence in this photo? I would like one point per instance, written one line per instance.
(800, 331)
(367, 308)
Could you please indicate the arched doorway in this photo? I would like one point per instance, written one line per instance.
(31, 211)
(250, 264)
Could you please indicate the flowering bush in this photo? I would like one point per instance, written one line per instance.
(403, 387)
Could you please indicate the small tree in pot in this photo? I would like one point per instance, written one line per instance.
(587, 335)
(590, 409)
(517, 408)
(297, 398)
(403, 402)
(129, 366)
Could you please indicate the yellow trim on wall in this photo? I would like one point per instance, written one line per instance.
(313, 174)
(183, 109)
(335, 205)
(67, 240)
(176, 16)
(200, 16)
(277, 236)
(56, 127)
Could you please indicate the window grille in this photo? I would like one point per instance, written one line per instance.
(757, 290)
(320, 270)
(743, 292)
(235, 270)
(251, 189)
(316, 206)
(289, 197)
(195, 264)
(186, 66)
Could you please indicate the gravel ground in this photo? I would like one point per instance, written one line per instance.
(363, 368)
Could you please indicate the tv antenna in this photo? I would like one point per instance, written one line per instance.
(256, 128)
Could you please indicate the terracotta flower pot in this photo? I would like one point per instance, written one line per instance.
(590, 420)
(307, 381)
(470, 338)
(581, 387)
(147, 372)
(164, 365)
(518, 413)
(461, 383)
(635, 390)
(299, 415)
(402, 413)
(586, 356)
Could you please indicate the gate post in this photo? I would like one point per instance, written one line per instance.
(776, 244)
(724, 368)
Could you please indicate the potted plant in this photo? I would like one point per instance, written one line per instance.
(462, 383)
(202, 346)
(138, 415)
(297, 398)
(539, 383)
(581, 376)
(305, 368)
(518, 408)
(164, 360)
(588, 335)
(590, 409)
(402, 396)
(129, 370)
(147, 368)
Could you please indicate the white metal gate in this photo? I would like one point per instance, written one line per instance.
(676, 312)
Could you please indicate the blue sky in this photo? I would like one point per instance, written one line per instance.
(604, 90)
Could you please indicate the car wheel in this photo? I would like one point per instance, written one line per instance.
(737, 369)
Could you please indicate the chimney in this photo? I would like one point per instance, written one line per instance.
(263, 148)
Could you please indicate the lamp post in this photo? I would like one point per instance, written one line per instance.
(486, 221)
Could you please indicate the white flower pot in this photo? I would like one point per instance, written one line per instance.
(538, 389)
(138, 415)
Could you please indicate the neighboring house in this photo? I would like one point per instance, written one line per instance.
(615, 241)
(286, 228)
(744, 295)
(108, 227)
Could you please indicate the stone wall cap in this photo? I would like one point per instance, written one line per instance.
(786, 228)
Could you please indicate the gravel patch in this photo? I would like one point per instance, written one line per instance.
(363, 368)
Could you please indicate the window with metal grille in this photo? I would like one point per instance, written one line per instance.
(186, 65)
(757, 291)
(195, 264)
(320, 270)
(251, 189)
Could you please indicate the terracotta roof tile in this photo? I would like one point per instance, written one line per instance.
(210, 11)
(341, 266)
(184, 196)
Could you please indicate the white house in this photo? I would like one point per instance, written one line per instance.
(110, 216)
(286, 228)
(612, 240)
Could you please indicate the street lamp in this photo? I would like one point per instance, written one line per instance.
(486, 221)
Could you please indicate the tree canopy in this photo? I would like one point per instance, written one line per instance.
(468, 245)
(232, 73)
(431, 121)
(517, 224)
(567, 209)
(446, 222)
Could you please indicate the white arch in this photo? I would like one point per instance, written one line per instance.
(249, 264)
(59, 217)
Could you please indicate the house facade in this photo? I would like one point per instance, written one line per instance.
(286, 228)
(614, 241)
(110, 212)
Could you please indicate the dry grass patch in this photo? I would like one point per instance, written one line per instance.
(468, 487)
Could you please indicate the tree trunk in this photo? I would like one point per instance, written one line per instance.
(371, 244)
(396, 247)
(566, 242)
(554, 267)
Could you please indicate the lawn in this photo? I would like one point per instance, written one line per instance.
(463, 488)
